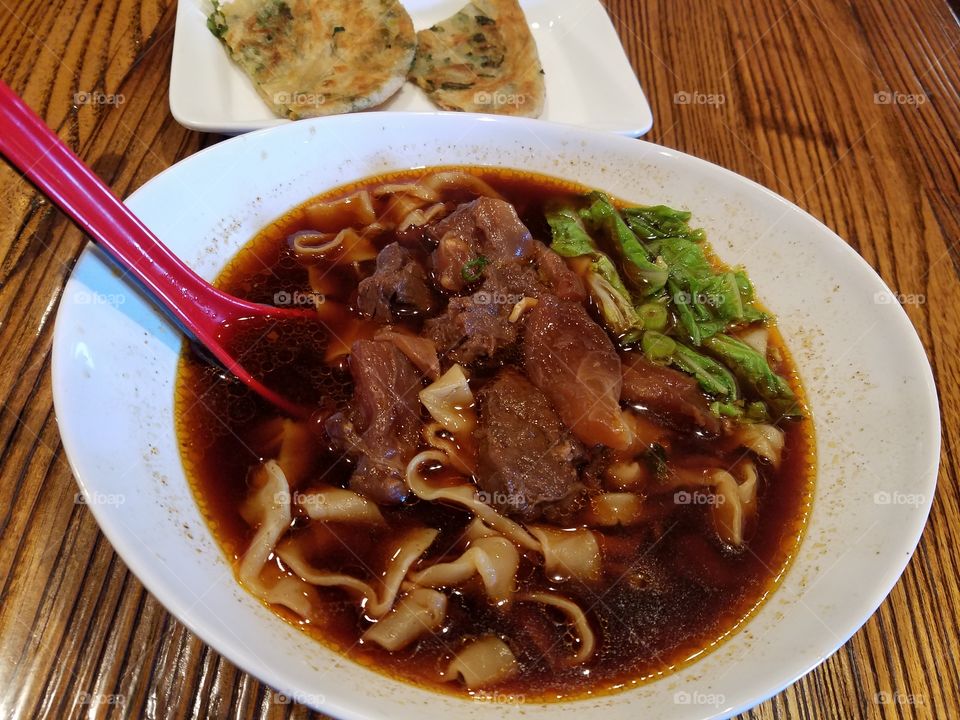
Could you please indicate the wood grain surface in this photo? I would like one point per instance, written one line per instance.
(850, 109)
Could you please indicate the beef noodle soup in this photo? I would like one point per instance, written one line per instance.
(558, 448)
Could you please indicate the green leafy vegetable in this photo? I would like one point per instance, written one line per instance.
(571, 240)
(712, 376)
(753, 370)
(569, 237)
(707, 302)
(610, 294)
(757, 412)
(645, 273)
(726, 409)
(660, 221)
(744, 284)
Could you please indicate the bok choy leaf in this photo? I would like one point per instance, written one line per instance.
(753, 370)
(660, 221)
(645, 273)
(571, 240)
(706, 301)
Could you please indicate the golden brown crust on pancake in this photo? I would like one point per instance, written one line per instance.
(482, 59)
(318, 57)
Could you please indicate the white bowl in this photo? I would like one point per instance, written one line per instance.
(865, 372)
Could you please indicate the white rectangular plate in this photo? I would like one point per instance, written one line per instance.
(589, 79)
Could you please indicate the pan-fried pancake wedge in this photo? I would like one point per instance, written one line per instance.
(483, 59)
(318, 57)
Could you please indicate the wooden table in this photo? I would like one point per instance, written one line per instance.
(848, 109)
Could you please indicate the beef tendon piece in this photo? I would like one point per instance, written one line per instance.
(572, 360)
(669, 394)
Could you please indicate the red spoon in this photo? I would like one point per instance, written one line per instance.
(210, 316)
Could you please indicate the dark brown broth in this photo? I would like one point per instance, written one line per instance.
(670, 590)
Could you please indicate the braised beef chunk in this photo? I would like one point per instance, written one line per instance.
(472, 329)
(398, 285)
(509, 283)
(667, 393)
(486, 230)
(527, 460)
(572, 360)
(562, 281)
(477, 327)
(382, 430)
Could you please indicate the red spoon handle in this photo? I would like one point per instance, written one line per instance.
(43, 157)
(200, 308)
